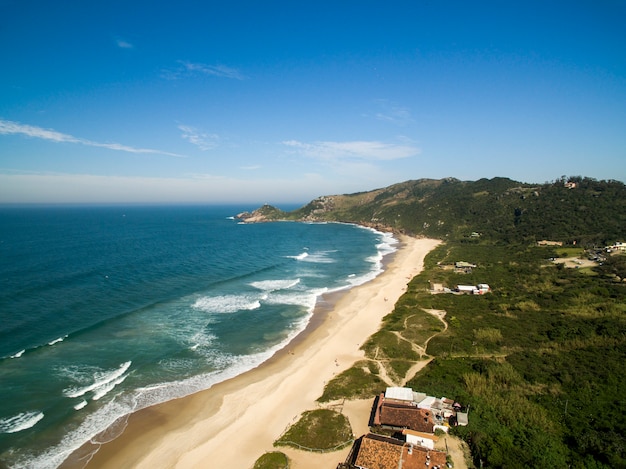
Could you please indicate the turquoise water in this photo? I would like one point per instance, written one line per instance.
(107, 310)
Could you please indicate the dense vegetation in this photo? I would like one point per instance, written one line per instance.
(547, 388)
(498, 209)
(540, 361)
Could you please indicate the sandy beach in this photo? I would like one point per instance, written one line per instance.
(235, 422)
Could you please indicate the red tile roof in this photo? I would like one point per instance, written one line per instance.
(379, 452)
(406, 416)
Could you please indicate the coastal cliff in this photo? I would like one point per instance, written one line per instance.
(262, 214)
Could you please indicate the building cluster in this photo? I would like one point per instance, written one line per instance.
(460, 267)
(413, 418)
(617, 247)
(479, 289)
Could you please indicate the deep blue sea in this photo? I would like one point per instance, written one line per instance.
(108, 310)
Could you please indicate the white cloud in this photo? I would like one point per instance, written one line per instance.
(355, 150)
(202, 140)
(15, 128)
(392, 113)
(122, 44)
(193, 68)
(10, 127)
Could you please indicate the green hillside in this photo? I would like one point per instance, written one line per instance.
(540, 360)
(498, 209)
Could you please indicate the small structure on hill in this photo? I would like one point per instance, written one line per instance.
(437, 287)
(462, 267)
(479, 289)
(545, 242)
(402, 408)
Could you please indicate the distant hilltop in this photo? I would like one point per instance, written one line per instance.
(574, 210)
(262, 214)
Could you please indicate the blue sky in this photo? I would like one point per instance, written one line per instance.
(281, 102)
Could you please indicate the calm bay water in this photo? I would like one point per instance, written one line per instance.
(107, 310)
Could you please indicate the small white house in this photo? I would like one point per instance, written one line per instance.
(400, 394)
(479, 289)
(425, 440)
(426, 403)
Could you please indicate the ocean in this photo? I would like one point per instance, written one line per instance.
(108, 310)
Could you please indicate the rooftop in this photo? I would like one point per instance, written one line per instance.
(380, 452)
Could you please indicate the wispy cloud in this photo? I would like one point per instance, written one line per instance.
(355, 150)
(186, 69)
(392, 113)
(123, 44)
(206, 176)
(16, 128)
(202, 140)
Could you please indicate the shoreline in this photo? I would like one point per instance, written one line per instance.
(234, 422)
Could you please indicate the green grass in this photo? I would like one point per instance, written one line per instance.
(272, 460)
(318, 430)
(569, 252)
(358, 382)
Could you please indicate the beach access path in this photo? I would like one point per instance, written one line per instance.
(235, 422)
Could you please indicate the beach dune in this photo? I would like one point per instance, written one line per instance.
(235, 422)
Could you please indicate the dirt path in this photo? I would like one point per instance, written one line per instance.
(457, 449)
(420, 349)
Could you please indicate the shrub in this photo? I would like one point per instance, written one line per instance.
(272, 460)
(318, 430)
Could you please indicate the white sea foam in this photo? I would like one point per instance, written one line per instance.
(227, 303)
(201, 339)
(307, 299)
(20, 422)
(80, 405)
(103, 390)
(274, 285)
(387, 244)
(56, 341)
(93, 424)
(18, 354)
(113, 415)
(320, 257)
(101, 380)
(300, 256)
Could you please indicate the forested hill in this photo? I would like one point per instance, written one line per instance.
(580, 209)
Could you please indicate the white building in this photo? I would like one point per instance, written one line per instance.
(424, 440)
